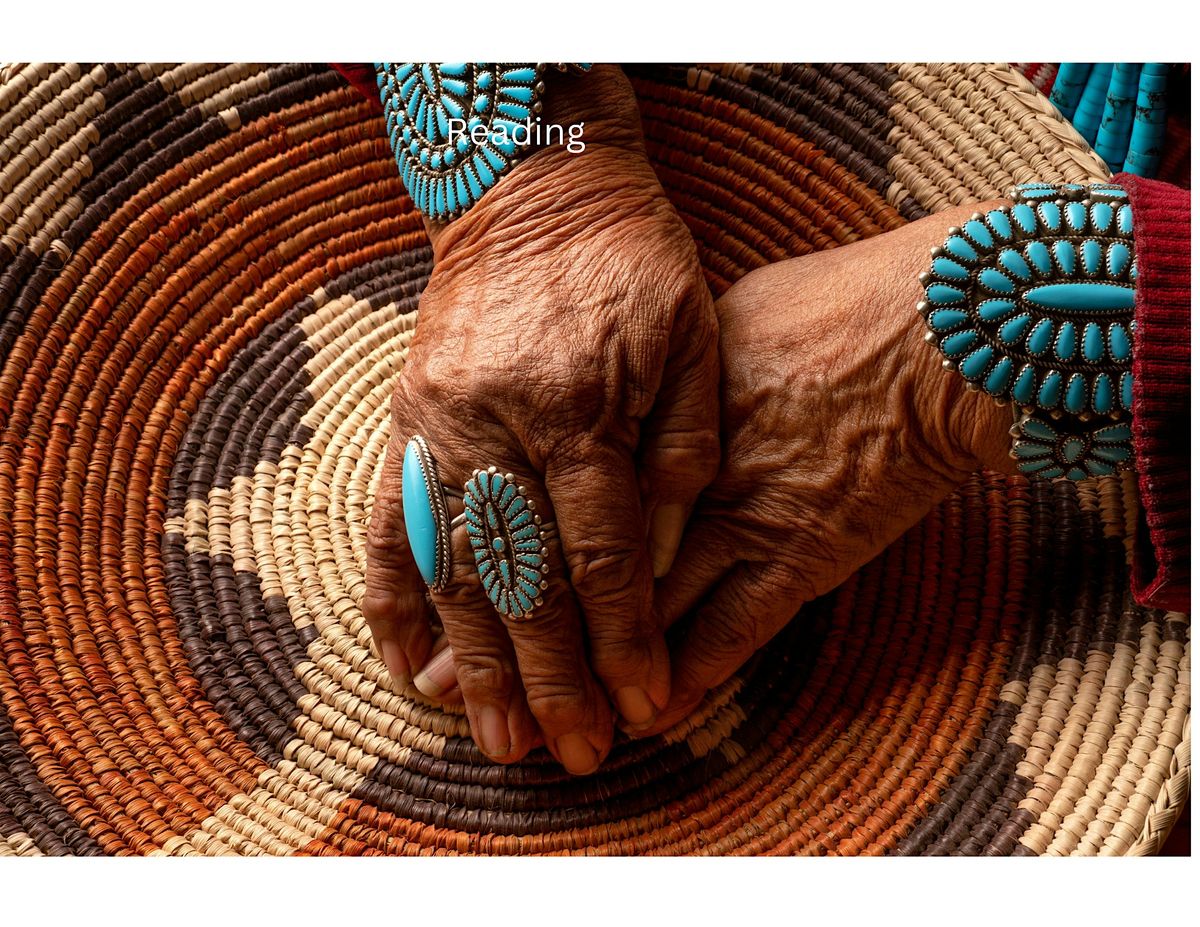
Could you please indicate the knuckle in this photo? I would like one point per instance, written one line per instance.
(483, 675)
(558, 705)
(605, 576)
(618, 656)
(385, 533)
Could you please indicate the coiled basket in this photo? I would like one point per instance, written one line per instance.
(208, 278)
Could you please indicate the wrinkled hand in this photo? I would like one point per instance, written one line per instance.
(840, 431)
(567, 336)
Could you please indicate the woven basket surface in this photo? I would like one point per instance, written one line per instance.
(208, 279)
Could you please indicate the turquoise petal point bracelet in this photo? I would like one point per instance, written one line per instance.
(1033, 304)
(456, 128)
(507, 541)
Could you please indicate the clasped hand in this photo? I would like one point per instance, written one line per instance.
(567, 335)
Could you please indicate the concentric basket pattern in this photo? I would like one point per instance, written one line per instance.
(208, 278)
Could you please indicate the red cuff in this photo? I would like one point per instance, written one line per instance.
(1162, 391)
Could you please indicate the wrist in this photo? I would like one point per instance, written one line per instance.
(967, 427)
(557, 193)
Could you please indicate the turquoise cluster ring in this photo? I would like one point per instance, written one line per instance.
(1033, 304)
(508, 542)
(426, 517)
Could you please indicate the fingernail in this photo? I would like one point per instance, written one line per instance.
(397, 662)
(576, 754)
(438, 674)
(635, 705)
(666, 528)
(493, 731)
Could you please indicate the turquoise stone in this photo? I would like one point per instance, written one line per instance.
(944, 267)
(1051, 390)
(520, 94)
(1118, 342)
(978, 233)
(1030, 450)
(1102, 394)
(1091, 256)
(1031, 466)
(998, 380)
(1076, 399)
(1076, 474)
(1125, 220)
(1051, 215)
(1041, 336)
(513, 110)
(941, 294)
(1099, 468)
(1064, 346)
(1015, 264)
(1072, 449)
(946, 319)
(1093, 342)
(999, 222)
(1076, 216)
(959, 343)
(1014, 330)
(961, 248)
(1094, 297)
(1037, 429)
(519, 76)
(1117, 453)
(1039, 254)
(1114, 433)
(975, 365)
(1127, 390)
(995, 280)
(1025, 218)
(1118, 258)
(452, 107)
(1102, 216)
(482, 171)
(419, 522)
(1023, 389)
(993, 310)
(1064, 254)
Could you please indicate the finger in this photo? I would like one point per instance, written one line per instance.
(748, 608)
(680, 440)
(570, 707)
(598, 512)
(394, 602)
(478, 660)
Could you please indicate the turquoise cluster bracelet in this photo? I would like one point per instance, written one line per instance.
(455, 129)
(1033, 304)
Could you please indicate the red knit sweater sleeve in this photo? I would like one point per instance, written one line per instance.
(1162, 391)
(362, 77)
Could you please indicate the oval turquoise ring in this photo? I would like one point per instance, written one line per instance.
(426, 520)
(507, 541)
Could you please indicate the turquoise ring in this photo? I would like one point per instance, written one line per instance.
(426, 520)
(507, 541)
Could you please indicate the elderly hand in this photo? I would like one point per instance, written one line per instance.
(566, 336)
(840, 431)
